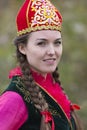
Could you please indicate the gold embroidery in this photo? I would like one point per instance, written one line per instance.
(54, 112)
(31, 29)
(21, 88)
(27, 18)
(45, 16)
(45, 12)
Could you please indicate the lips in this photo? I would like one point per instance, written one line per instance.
(50, 61)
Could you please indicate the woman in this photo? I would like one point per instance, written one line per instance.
(35, 100)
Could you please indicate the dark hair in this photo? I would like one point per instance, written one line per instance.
(28, 80)
(36, 96)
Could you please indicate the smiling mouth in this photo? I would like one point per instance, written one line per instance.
(50, 59)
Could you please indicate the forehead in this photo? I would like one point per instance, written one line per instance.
(46, 34)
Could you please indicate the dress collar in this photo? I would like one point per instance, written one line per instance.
(40, 78)
(50, 86)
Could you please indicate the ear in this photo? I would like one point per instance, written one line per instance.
(22, 48)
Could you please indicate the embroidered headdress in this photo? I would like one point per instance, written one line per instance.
(38, 15)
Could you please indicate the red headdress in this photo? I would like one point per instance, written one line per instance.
(37, 15)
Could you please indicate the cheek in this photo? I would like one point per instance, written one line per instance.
(32, 56)
(59, 51)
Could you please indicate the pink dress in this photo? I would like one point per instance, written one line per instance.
(13, 112)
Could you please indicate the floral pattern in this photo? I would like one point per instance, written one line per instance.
(45, 13)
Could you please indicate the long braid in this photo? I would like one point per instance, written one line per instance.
(34, 90)
(78, 122)
(56, 76)
(35, 93)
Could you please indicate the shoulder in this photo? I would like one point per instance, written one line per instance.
(11, 103)
(12, 109)
(11, 98)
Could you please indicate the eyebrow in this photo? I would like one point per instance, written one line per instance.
(58, 39)
(43, 39)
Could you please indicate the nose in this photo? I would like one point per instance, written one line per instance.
(51, 50)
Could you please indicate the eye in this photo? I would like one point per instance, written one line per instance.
(41, 43)
(57, 42)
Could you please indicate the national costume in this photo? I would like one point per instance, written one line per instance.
(60, 107)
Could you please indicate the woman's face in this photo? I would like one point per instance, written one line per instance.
(43, 50)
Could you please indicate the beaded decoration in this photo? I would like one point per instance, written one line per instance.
(38, 15)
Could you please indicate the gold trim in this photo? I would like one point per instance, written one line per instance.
(27, 18)
(38, 28)
(22, 89)
(56, 102)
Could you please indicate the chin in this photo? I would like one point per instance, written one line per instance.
(50, 70)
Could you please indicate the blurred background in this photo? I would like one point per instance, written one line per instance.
(73, 66)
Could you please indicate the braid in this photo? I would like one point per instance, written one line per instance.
(35, 93)
(33, 88)
(56, 76)
(36, 96)
(78, 122)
